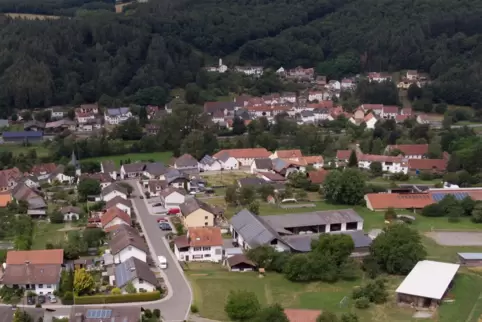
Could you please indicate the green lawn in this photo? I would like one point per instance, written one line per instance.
(45, 232)
(163, 157)
(412, 180)
(212, 283)
(17, 149)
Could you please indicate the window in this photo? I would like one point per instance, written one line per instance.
(205, 217)
(40, 286)
(207, 255)
(205, 224)
(197, 249)
(141, 281)
(49, 286)
(206, 248)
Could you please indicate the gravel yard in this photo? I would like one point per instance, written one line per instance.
(456, 238)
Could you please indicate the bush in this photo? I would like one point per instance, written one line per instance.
(194, 309)
(38, 305)
(362, 303)
(116, 291)
(101, 299)
(68, 298)
(157, 313)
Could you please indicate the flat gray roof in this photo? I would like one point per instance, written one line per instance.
(302, 243)
(314, 218)
(473, 256)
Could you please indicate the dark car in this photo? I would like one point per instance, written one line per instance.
(41, 299)
(165, 226)
(142, 197)
(30, 300)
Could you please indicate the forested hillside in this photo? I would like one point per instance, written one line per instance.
(161, 45)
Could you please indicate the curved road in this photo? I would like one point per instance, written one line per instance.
(175, 307)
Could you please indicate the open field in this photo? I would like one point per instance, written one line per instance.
(45, 232)
(17, 149)
(29, 16)
(163, 157)
(224, 178)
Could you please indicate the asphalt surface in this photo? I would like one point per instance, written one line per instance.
(175, 307)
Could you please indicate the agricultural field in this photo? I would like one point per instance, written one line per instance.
(163, 157)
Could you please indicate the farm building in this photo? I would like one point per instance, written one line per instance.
(470, 259)
(426, 284)
(22, 136)
(240, 263)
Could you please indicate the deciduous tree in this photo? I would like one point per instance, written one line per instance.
(241, 305)
(83, 282)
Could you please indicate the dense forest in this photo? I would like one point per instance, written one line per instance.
(161, 45)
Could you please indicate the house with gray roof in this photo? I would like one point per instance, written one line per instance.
(132, 170)
(187, 163)
(265, 164)
(109, 167)
(114, 116)
(155, 170)
(113, 190)
(177, 179)
(136, 272)
(294, 232)
(197, 213)
(208, 163)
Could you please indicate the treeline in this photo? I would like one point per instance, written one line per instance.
(54, 7)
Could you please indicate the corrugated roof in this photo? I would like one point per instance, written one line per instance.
(252, 228)
(428, 279)
(471, 256)
(314, 218)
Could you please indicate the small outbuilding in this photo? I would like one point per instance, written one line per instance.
(240, 263)
(470, 259)
(426, 284)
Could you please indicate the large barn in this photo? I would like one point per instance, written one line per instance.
(426, 284)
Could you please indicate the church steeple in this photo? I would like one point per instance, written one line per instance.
(75, 163)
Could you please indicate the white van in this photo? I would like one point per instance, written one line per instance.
(162, 262)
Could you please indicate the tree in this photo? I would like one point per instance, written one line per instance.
(75, 245)
(239, 127)
(347, 187)
(262, 256)
(327, 316)
(468, 205)
(130, 288)
(56, 217)
(353, 160)
(231, 195)
(349, 317)
(397, 249)
(376, 168)
(298, 268)
(265, 191)
(414, 92)
(254, 207)
(94, 237)
(241, 305)
(83, 282)
(21, 316)
(390, 214)
(246, 195)
(88, 187)
(272, 313)
(477, 213)
(433, 210)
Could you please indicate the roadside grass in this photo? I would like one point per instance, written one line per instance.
(163, 157)
(45, 232)
(16, 149)
(212, 282)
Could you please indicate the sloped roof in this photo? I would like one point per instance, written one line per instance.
(190, 205)
(44, 256)
(318, 177)
(186, 160)
(252, 228)
(201, 237)
(398, 200)
(118, 200)
(72, 209)
(38, 169)
(108, 166)
(427, 164)
(125, 236)
(239, 259)
(113, 187)
(131, 269)
(245, 153)
(299, 315)
(155, 168)
(410, 149)
(265, 164)
(113, 213)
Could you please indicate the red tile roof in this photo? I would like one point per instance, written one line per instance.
(39, 169)
(372, 107)
(380, 201)
(344, 154)
(289, 154)
(245, 153)
(205, 236)
(298, 315)
(44, 256)
(427, 164)
(112, 213)
(318, 177)
(379, 158)
(312, 159)
(390, 109)
(410, 149)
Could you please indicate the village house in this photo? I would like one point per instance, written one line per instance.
(155, 170)
(250, 70)
(113, 190)
(434, 120)
(196, 213)
(33, 270)
(348, 84)
(244, 156)
(125, 243)
(34, 126)
(239, 263)
(318, 177)
(43, 171)
(70, 213)
(136, 272)
(186, 163)
(208, 163)
(178, 179)
(224, 107)
(152, 129)
(114, 217)
(415, 166)
(409, 151)
(271, 177)
(220, 68)
(286, 167)
(123, 204)
(265, 164)
(172, 197)
(132, 170)
(301, 74)
(200, 244)
(228, 162)
(104, 179)
(59, 126)
(57, 112)
(379, 77)
(389, 164)
(114, 116)
(156, 186)
(110, 168)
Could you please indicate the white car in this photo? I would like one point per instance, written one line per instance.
(52, 298)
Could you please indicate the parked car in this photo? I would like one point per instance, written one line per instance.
(41, 299)
(52, 298)
(161, 219)
(165, 226)
(174, 211)
(30, 300)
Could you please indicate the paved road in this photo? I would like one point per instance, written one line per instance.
(177, 305)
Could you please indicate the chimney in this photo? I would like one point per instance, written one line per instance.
(220, 62)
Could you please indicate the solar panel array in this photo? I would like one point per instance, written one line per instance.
(458, 195)
(98, 314)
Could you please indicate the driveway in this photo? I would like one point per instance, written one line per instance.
(456, 238)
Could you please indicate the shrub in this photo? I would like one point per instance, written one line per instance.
(116, 291)
(68, 298)
(101, 299)
(362, 303)
(38, 305)
(194, 309)
(157, 313)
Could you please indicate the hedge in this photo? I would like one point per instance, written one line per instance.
(123, 298)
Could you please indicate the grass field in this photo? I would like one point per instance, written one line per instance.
(17, 149)
(163, 157)
(224, 179)
(412, 180)
(45, 232)
(29, 16)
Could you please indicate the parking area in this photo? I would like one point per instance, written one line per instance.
(456, 238)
